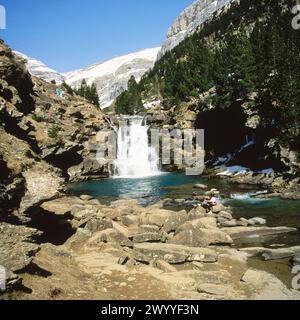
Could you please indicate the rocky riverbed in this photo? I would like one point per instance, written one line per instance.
(125, 251)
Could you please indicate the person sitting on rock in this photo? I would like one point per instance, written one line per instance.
(209, 202)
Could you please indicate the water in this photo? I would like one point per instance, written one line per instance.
(146, 190)
(135, 158)
(276, 211)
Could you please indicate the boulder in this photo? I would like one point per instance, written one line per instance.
(197, 213)
(200, 233)
(164, 266)
(169, 220)
(17, 250)
(200, 186)
(109, 236)
(98, 224)
(296, 260)
(146, 237)
(244, 232)
(257, 221)
(175, 254)
(85, 197)
(243, 222)
(229, 224)
(199, 237)
(225, 215)
(130, 220)
(218, 208)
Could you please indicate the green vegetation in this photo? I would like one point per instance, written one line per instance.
(251, 48)
(37, 118)
(53, 133)
(89, 92)
(130, 101)
(68, 89)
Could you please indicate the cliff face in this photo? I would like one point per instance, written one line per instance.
(236, 78)
(189, 20)
(45, 140)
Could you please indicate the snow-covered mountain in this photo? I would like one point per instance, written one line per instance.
(189, 20)
(40, 70)
(111, 77)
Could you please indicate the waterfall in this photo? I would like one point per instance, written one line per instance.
(135, 158)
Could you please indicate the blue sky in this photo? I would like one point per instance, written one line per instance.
(70, 34)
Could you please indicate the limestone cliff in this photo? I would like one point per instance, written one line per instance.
(189, 20)
(45, 140)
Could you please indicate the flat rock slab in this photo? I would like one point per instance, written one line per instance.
(244, 232)
(213, 289)
(273, 254)
(267, 287)
(146, 237)
(176, 254)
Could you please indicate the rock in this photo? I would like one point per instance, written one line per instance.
(291, 195)
(245, 232)
(218, 208)
(86, 197)
(200, 186)
(268, 287)
(200, 233)
(169, 220)
(296, 260)
(17, 250)
(201, 238)
(196, 213)
(149, 228)
(243, 222)
(130, 220)
(146, 237)
(98, 224)
(164, 266)
(253, 276)
(198, 265)
(189, 20)
(282, 253)
(229, 224)
(123, 260)
(175, 254)
(213, 289)
(179, 201)
(206, 223)
(42, 183)
(108, 236)
(257, 221)
(225, 215)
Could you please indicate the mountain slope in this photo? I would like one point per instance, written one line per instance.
(189, 20)
(111, 77)
(238, 78)
(40, 70)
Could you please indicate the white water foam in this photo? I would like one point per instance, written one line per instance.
(135, 158)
